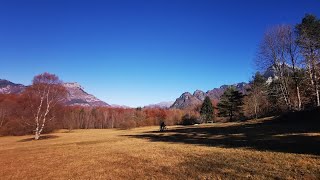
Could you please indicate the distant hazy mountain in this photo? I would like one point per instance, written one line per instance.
(188, 100)
(120, 106)
(76, 94)
(161, 105)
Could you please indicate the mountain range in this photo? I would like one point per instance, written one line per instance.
(78, 97)
(76, 94)
(188, 100)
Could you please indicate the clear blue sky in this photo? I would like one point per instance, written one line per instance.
(139, 52)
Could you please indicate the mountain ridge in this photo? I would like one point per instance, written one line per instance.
(189, 101)
(76, 95)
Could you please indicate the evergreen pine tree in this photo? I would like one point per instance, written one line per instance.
(206, 110)
(230, 104)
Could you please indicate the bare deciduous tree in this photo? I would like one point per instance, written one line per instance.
(273, 53)
(44, 94)
(3, 115)
(309, 41)
(292, 56)
(255, 103)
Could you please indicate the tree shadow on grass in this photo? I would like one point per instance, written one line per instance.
(278, 135)
(41, 138)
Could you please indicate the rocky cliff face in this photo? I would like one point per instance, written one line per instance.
(199, 95)
(187, 100)
(76, 94)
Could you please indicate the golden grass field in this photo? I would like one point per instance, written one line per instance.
(251, 150)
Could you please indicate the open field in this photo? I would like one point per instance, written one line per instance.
(256, 150)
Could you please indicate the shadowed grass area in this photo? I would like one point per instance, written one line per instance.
(41, 138)
(250, 150)
(265, 135)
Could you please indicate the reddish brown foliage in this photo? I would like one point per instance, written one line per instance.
(17, 118)
(39, 109)
(101, 118)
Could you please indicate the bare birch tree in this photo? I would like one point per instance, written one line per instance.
(44, 94)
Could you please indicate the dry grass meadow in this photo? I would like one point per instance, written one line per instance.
(251, 150)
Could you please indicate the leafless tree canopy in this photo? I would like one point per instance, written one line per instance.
(44, 94)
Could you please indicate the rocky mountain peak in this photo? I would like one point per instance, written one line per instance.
(186, 95)
(4, 82)
(8, 87)
(72, 85)
(200, 95)
(77, 96)
(187, 100)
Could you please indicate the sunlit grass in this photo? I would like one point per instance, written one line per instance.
(117, 154)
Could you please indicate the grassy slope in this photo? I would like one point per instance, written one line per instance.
(228, 150)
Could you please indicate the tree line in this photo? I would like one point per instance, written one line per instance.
(40, 109)
(292, 55)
